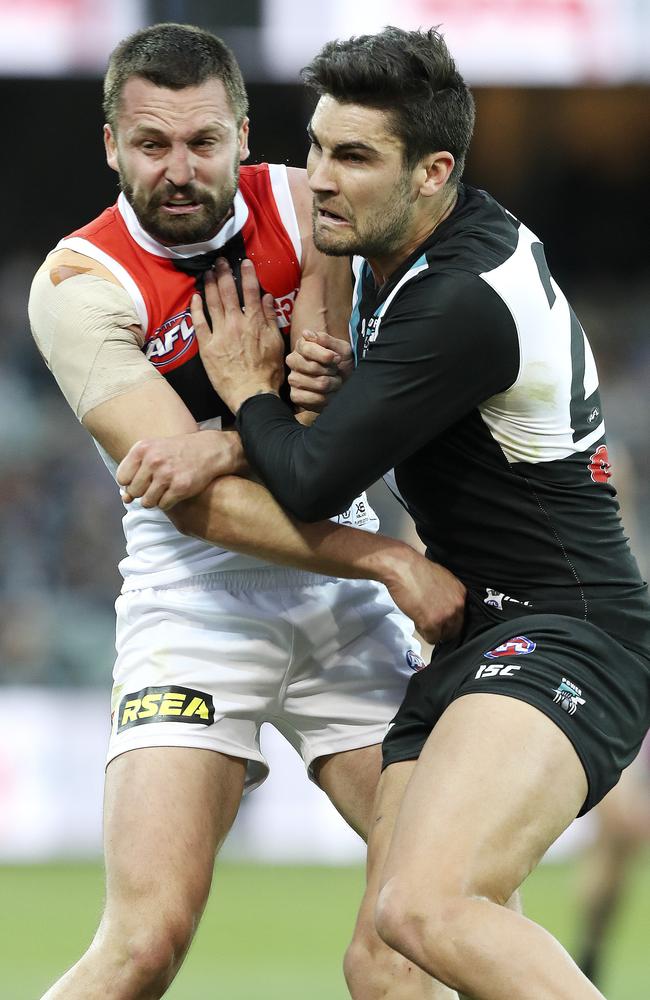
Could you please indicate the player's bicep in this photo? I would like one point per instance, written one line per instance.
(324, 300)
(152, 409)
(87, 330)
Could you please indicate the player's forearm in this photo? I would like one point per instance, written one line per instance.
(243, 516)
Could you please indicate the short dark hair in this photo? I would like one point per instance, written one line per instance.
(412, 77)
(174, 56)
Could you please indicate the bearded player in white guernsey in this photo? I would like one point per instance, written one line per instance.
(212, 640)
(474, 382)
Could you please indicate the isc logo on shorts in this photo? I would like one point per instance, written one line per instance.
(165, 704)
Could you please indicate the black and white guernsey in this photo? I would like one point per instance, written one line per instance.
(476, 386)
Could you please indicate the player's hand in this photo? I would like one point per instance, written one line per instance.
(243, 354)
(319, 364)
(428, 594)
(164, 471)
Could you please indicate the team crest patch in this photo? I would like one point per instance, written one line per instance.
(414, 661)
(496, 599)
(599, 466)
(519, 645)
(567, 696)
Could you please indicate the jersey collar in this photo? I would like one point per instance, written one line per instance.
(234, 224)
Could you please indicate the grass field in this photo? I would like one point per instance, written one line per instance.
(269, 933)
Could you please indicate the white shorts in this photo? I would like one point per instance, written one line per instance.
(205, 664)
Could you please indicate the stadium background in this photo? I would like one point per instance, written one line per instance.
(562, 140)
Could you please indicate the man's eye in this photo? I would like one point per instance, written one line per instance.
(149, 145)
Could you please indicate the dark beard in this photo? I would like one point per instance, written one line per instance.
(383, 237)
(375, 244)
(176, 230)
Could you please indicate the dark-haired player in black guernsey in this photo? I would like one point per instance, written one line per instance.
(475, 383)
(476, 387)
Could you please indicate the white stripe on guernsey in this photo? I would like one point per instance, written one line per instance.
(357, 266)
(420, 265)
(79, 245)
(286, 208)
(147, 242)
(531, 420)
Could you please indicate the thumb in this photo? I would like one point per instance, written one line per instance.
(340, 349)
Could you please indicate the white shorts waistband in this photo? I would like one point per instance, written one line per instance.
(271, 578)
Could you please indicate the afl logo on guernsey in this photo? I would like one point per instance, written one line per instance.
(414, 661)
(519, 645)
(172, 341)
(284, 308)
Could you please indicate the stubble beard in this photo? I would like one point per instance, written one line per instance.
(176, 230)
(385, 231)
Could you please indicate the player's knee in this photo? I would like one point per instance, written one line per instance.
(361, 963)
(370, 967)
(416, 926)
(357, 965)
(151, 952)
(398, 921)
(156, 956)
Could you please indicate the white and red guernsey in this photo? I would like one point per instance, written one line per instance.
(263, 228)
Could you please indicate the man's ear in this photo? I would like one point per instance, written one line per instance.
(110, 145)
(434, 172)
(244, 151)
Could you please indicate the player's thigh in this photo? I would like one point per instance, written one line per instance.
(495, 785)
(167, 810)
(350, 780)
(390, 793)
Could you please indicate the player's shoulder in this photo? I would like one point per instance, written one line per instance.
(478, 237)
(64, 263)
(271, 175)
(458, 297)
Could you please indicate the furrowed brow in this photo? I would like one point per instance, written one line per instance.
(344, 148)
(152, 132)
(147, 130)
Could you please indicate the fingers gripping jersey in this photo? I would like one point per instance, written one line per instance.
(263, 228)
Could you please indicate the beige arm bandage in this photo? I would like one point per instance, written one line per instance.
(88, 331)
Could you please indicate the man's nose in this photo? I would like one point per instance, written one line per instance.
(180, 166)
(321, 175)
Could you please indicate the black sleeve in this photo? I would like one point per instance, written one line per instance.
(445, 344)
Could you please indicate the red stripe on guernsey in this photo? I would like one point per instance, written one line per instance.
(166, 291)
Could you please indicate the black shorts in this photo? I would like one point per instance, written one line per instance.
(595, 689)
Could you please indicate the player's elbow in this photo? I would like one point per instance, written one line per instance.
(186, 518)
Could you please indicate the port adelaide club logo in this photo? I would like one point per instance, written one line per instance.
(567, 696)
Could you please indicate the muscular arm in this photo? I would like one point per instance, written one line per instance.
(324, 300)
(231, 512)
(244, 516)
